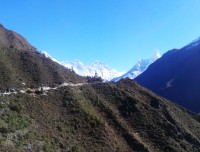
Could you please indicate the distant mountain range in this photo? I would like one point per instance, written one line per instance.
(176, 76)
(106, 72)
(139, 67)
(101, 69)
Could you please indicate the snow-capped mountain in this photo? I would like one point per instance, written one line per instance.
(139, 67)
(102, 70)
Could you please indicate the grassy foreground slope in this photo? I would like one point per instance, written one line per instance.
(96, 117)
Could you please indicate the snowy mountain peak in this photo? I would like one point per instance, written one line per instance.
(102, 70)
(139, 67)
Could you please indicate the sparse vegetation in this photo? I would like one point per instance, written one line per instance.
(76, 149)
(18, 122)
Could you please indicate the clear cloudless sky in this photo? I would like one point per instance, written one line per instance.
(115, 32)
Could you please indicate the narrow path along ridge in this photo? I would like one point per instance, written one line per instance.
(43, 89)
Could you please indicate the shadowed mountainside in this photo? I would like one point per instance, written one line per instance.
(176, 76)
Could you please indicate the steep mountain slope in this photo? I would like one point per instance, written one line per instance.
(78, 116)
(104, 71)
(21, 63)
(176, 76)
(100, 117)
(139, 67)
(12, 39)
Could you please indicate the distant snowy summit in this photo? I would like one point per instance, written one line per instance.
(139, 67)
(102, 70)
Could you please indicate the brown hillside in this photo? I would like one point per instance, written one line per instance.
(22, 63)
(97, 117)
(10, 38)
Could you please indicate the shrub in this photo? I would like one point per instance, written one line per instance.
(17, 122)
(2, 106)
(4, 130)
(15, 107)
(76, 148)
(48, 148)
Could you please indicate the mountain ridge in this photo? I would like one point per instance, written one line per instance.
(12, 39)
(22, 63)
(178, 78)
(104, 71)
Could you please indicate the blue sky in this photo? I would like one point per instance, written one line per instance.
(115, 32)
